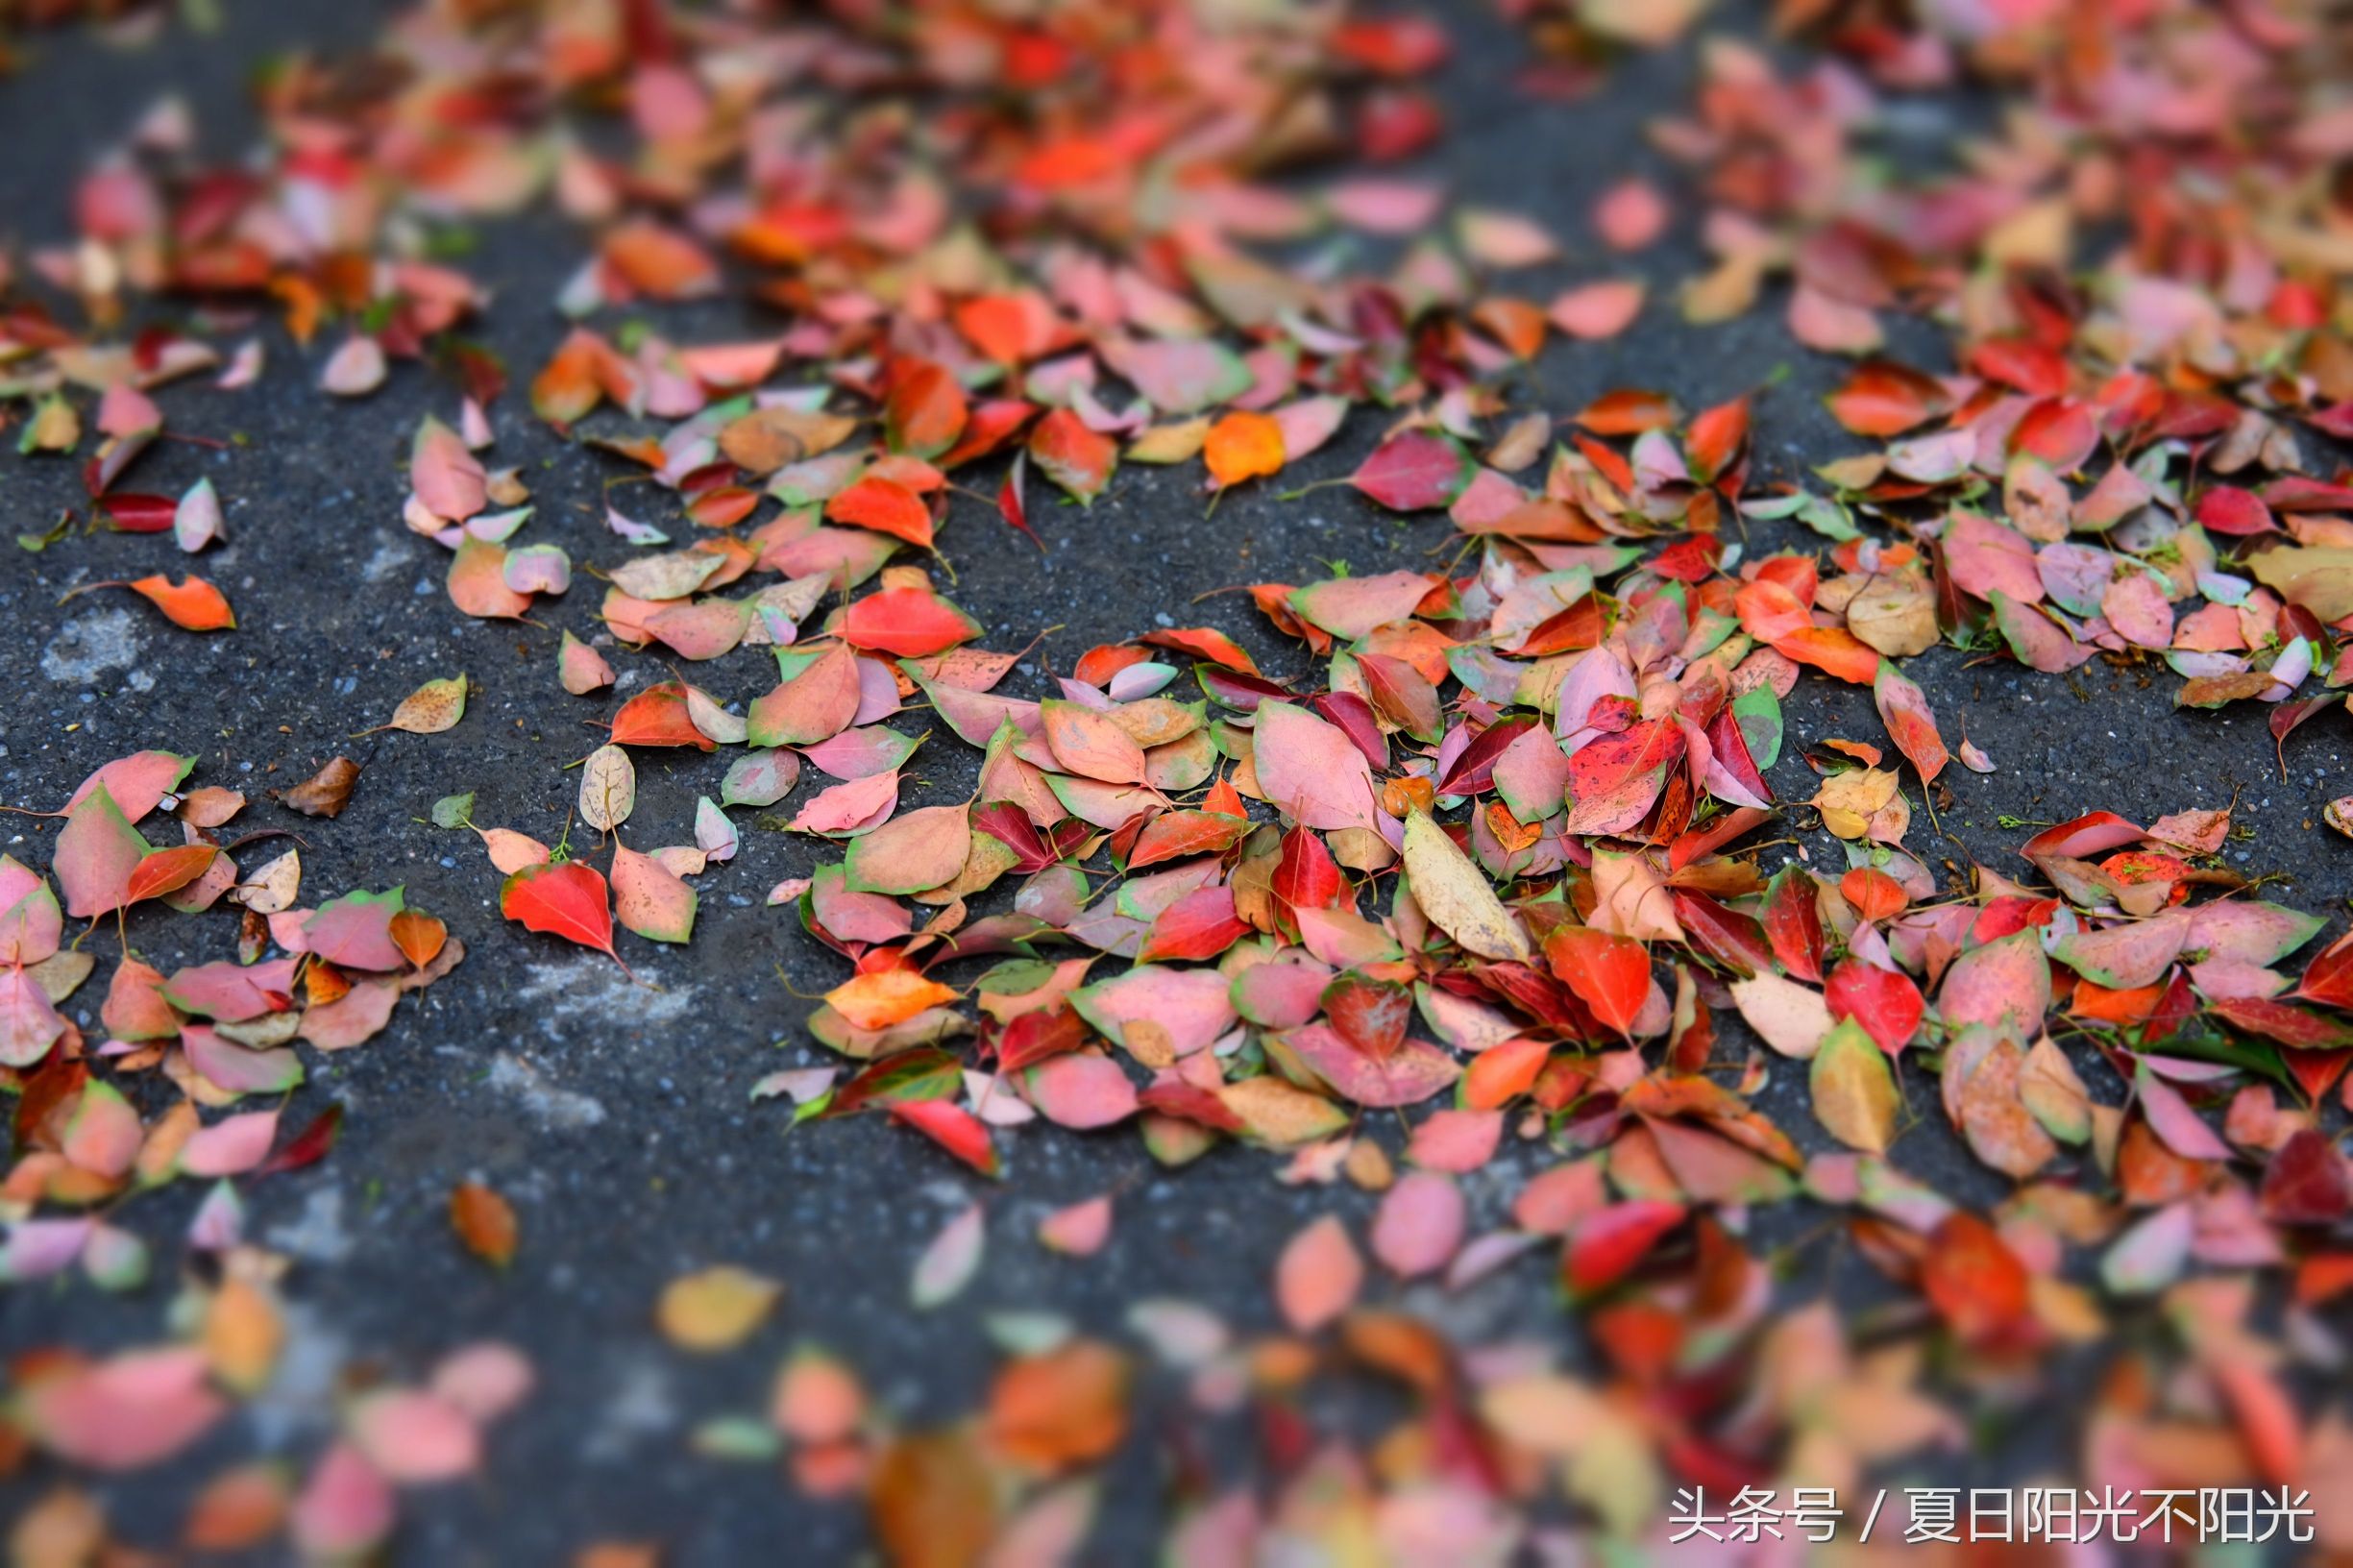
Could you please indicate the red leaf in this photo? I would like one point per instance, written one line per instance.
(2291, 1026)
(2081, 837)
(562, 899)
(1474, 771)
(1009, 499)
(308, 1146)
(909, 623)
(1793, 924)
(1369, 1015)
(1195, 928)
(1973, 1279)
(1306, 876)
(1175, 834)
(1734, 940)
(1037, 1036)
(1357, 720)
(1609, 974)
(139, 514)
(1615, 781)
(1607, 1244)
(2228, 509)
(954, 1129)
(2315, 1072)
(2060, 432)
(1715, 438)
(2308, 1181)
(1414, 471)
(1886, 1004)
(2328, 979)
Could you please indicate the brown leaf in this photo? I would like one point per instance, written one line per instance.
(484, 1221)
(1067, 1406)
(324, 793)
(932, 1502)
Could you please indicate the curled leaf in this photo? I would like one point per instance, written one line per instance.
(324, 793)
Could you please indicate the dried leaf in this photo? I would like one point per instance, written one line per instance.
(324, 793)
(715, 1308)
(1854, 1093)
(484, 1221)
(1457, 896)
(608, 788)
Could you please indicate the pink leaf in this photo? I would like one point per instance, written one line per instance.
(1080, 1230)
(1420, 1224)
(231, 1147)
(345, 1510)
(1318, 1275)
(97, 852)
(411, 1437)
(132, 1411)
(1081, 1090)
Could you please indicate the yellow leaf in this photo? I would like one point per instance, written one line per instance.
(433, 707)
(2320, 579)
(242, 1336)
(1854, 1093)
(1456, 896)
(716, 1309)
(1849, 801)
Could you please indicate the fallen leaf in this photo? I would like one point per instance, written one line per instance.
(1457, 896)
(715, 1308)
(484, 1221)
(324, 793)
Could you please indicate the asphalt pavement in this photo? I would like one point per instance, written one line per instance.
(618, 1119)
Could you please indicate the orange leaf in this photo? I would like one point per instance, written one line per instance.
(1875, 895)
(1066, 1406)
(1502, 1074)
(659, 261)
(1318, 1275)
(886, 996)
(484, 1221)
(926, 409)
(1073, 457)
(1973, 1278)
(162, 872)
(418, 936)
(884, 506)
(191, 602)
(1832, 650)
(1243, 445)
